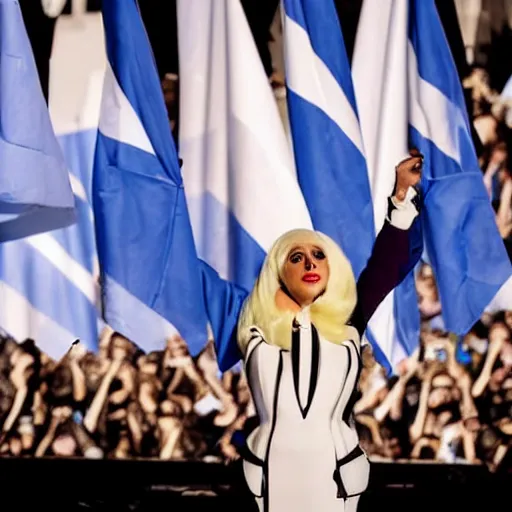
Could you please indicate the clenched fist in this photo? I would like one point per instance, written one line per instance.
(408, 174)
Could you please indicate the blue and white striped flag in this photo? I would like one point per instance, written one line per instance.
(328, 147)
(149, 270)
(419, 102)
(468, 256)
(379, 72)
(48, 282)
(327, 141)
(238, 168)
(35, 193)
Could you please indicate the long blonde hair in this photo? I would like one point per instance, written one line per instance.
(330, 312)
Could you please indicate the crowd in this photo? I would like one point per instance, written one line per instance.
(493, 124)
(451, 401)
(119, 402)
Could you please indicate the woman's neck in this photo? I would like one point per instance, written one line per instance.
(285, 303)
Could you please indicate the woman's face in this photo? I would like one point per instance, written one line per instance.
(305, 273)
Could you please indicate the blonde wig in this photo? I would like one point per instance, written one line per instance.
(329, 313)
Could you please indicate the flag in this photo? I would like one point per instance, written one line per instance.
(48, 282)
(35, 193)
(467, 253)
(149, 271)
(238, 168)
(327, 141)
(379, 72)
(419, 102)
(326, 133)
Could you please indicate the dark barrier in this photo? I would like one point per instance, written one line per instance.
(132, 485)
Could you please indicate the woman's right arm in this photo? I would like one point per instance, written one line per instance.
(223, 302)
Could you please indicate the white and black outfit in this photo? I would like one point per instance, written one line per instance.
(304, 455)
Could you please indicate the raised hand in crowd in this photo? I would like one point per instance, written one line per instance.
(499, 341)
(169, 405)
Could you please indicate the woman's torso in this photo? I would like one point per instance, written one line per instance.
(303, 394)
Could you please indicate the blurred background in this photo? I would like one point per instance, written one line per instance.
(444, 415)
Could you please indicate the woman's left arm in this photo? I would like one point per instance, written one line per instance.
(398, 246)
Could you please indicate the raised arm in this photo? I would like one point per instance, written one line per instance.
(497, 338)
(398, 246)
(223, 303)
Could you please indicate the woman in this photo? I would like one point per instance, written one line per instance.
(299, 334)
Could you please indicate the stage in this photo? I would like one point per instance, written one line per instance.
(142, 485)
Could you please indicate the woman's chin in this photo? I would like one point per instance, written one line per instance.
(311, 293)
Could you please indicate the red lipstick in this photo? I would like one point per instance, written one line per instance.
(311, 277)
